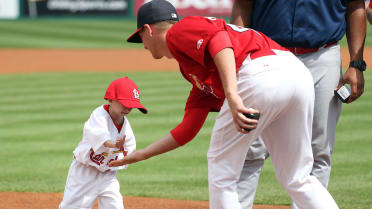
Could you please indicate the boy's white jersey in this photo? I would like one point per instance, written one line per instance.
(98, 129)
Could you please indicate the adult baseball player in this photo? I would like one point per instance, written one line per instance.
(107, 136)
(311, 30)
(256, 75)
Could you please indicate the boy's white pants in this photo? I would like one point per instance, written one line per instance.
(281, 88)
(85, 184)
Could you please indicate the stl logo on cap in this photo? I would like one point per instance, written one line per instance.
(136, 94)
(126, 92)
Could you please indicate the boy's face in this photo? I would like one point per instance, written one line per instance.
(118, 109)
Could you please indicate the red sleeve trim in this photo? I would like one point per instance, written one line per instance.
(218, 42)
(190, 126)
(370, 4)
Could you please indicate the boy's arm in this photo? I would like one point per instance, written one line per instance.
(114, 144)
(96, 130)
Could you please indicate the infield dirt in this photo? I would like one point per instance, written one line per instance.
(46, 60)
(28, 200)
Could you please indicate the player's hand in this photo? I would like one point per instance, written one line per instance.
(355, 78)
(241, 122)
(119, 143)
(132, 158)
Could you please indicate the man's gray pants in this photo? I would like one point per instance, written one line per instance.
(325, 67)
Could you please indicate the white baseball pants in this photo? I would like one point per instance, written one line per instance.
(325, 67)
(281, 88)
(85, 184)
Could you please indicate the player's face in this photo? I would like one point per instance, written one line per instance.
(118, 109)
(150, 42)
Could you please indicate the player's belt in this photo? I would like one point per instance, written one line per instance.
(261, 53)
(299, 51)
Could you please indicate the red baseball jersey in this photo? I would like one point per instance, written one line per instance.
(193, 42)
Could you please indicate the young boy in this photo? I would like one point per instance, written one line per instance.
(107, 136)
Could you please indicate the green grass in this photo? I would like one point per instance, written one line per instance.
(77, 33)
(42, 115)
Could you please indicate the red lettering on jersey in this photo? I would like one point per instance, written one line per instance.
(206, 88)
(97, 159)
(112, 160)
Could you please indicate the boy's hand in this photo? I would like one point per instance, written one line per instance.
(120, 142)
(132, 158)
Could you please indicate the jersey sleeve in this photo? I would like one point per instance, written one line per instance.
(197, 107)
(96, 131)
(188, 38)
(190, 126)
(219, 41)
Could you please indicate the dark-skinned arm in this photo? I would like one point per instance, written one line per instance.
(355, 34)
(241, 12)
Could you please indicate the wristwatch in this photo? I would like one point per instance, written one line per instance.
(358, 64)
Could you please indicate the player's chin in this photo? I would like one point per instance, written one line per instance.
(155, 56)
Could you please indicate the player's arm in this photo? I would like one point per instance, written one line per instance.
(225, 62)
(220, 48)
(192, 122)
(241, 12)
(355, 33)
(165, 144)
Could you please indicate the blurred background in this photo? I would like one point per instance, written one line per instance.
(13, 9)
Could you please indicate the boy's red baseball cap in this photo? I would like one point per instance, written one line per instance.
(126, 92)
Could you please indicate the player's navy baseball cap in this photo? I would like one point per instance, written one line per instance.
(126, 92)
(150, 13)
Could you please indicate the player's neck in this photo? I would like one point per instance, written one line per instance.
(166, 50)
(118, 121)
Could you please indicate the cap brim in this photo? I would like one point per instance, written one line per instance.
(133, 104)
(135, 37)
